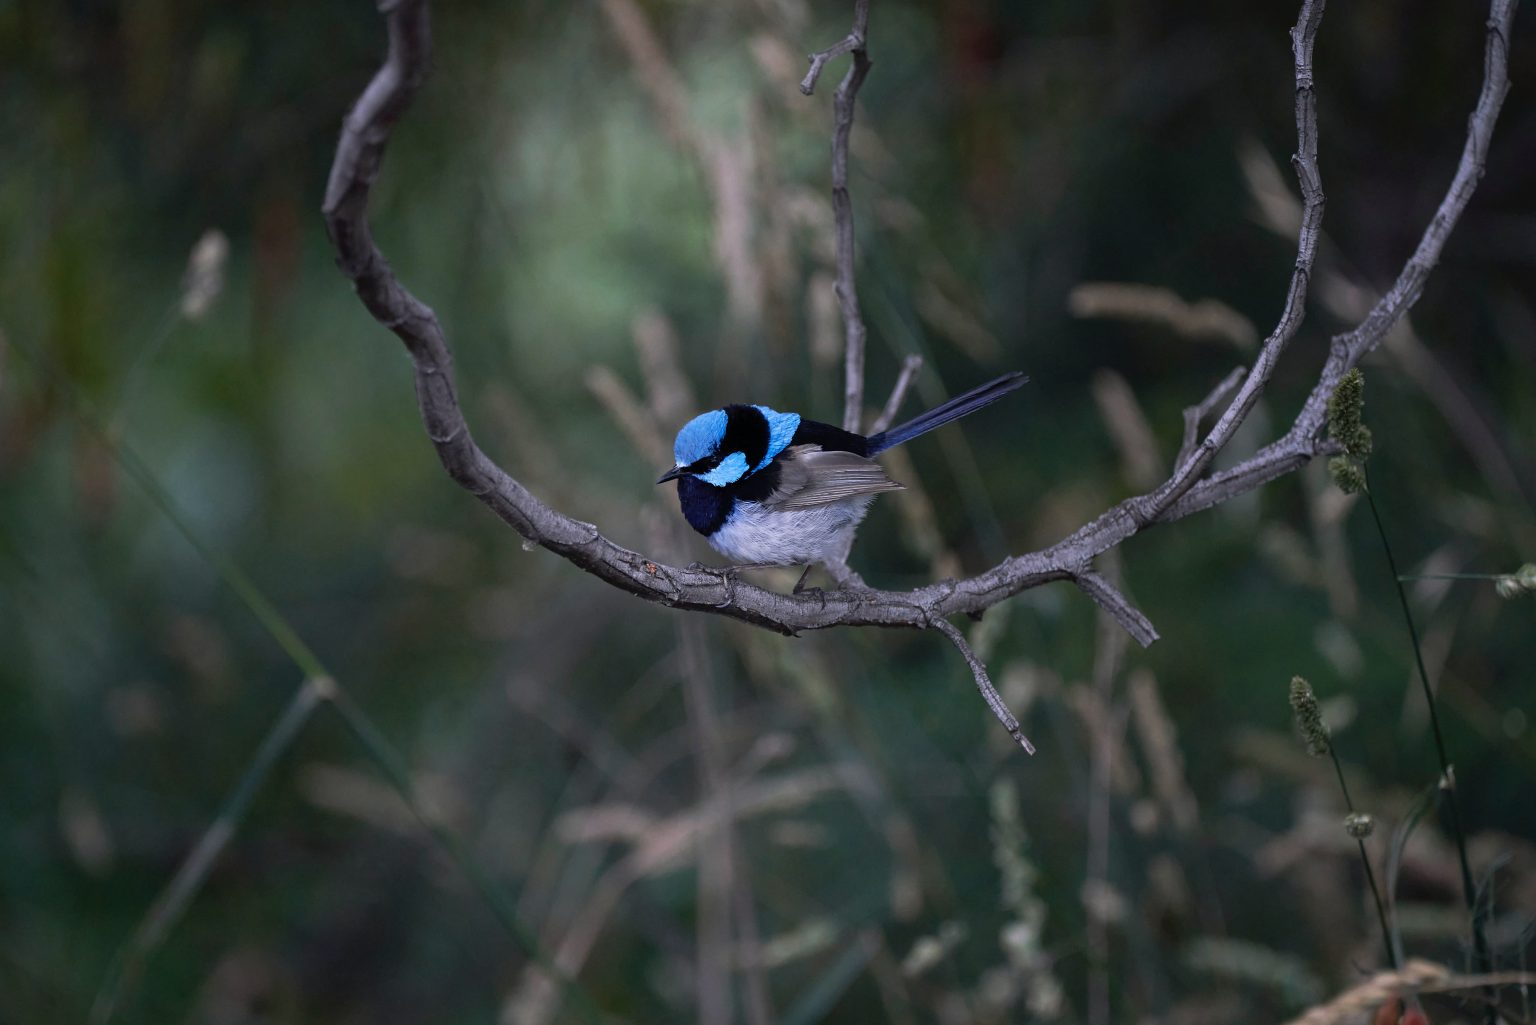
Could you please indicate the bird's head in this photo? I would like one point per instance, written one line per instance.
(724, 445)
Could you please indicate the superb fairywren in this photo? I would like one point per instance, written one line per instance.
(775, 489)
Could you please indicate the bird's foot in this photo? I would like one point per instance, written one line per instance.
(809, 592)
(730, 574)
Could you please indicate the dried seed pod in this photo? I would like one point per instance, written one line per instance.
(1359, 825)
(1309, 717)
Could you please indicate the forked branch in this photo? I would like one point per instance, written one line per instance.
(1189, 489)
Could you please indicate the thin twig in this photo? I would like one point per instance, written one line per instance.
(1108, 598)
(819, 59)
(989, 693)
(910, 367)
(854, 43)
(1193, 415)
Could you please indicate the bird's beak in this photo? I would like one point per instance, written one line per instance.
(672, 474)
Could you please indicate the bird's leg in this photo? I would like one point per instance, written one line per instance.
(837, 565)
(800, 584)
(845, 577)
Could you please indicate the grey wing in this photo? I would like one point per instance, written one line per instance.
(810, 475)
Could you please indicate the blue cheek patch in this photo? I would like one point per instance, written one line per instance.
(699, 437)
(781, 431)
(731, 469)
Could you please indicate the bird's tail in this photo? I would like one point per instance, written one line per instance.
(954, 409)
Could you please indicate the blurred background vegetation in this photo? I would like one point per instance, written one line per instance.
(620, 211)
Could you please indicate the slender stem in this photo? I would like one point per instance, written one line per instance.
(1365, 859)
(1447, 776)
(185, 885)
(1381, 910)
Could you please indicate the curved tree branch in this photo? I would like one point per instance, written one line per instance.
(359, 157)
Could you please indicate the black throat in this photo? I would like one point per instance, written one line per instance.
(705, 506)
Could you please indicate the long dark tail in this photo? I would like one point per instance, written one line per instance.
(954, 409)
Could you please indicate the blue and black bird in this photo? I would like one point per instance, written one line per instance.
(775, 489)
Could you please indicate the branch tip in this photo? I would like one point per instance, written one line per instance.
(989, 693)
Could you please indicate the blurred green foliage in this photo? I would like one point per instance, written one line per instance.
(538, 199)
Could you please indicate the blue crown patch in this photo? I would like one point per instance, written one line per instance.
(699, 437)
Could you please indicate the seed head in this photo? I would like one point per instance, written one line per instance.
(1309, 717)
(1521, 581)
(1345, 410)
(1359, 825)
(1347, 474)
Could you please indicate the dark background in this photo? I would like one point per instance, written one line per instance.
(542, 203)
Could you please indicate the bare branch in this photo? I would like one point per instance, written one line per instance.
(1300, 444)
(842, 207)
(1108, 598)
(852, 41)
(1347, 349)
(989, 693)
(1193, 415)
(358, 160)
(910, 367)
(1152, 505)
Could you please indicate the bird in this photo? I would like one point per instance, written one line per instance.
(767, 488)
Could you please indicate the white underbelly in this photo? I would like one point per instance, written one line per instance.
(790, 537)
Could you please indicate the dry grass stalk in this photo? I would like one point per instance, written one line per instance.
(630, 414)
(1128, 428)
(1203, 319)
(1416, 977)
(1161, 746)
